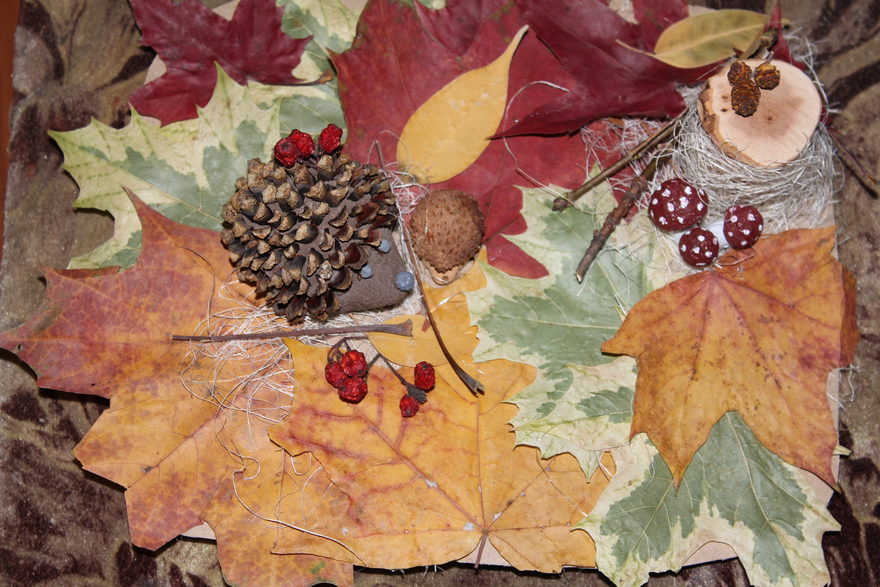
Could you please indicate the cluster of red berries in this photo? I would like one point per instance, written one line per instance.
(298, 145)
(423, 381)
(347, 373)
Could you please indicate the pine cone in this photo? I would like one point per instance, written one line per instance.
(744, 98)
(299, 234)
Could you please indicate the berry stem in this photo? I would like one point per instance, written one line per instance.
(401, 329)
(472, 383)
(637, 153)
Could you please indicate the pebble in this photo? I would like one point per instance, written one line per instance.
(404, 281)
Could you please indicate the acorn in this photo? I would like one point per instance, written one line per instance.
(447, 231)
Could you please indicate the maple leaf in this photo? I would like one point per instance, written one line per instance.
(329, 25)
(435, 487)
(106, 333)
(190, 38)
(759, 335)
(610, 78)
(740, 494)
(559, 325)
(187, 169)
(243, 517)
(438, 47)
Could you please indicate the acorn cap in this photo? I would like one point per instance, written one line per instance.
(447, 229)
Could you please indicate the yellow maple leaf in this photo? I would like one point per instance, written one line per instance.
(442, 484)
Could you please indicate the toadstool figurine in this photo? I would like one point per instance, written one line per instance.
(742, 226)
(677, 205)
(698, 247)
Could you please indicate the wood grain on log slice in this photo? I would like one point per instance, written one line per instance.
(778, 130)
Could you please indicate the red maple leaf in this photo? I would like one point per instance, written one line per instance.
(403, 55)
(190, 39)
(610, 79)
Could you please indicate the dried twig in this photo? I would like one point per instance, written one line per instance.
(638, 185)
(851, 162)
(401, 329)
(637, 153)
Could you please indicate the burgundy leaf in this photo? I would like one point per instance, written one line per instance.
(190, 39)
(610, 78)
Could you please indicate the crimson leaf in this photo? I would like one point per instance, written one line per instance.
(610, 78)
(190, 38)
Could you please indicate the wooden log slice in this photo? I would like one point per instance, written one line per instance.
(780, 128)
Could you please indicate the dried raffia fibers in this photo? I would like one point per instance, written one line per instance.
(791, 196)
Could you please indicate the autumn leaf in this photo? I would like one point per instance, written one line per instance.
(558, 325)
(704, 39)
(187, 169)
(435, 487)
(438, 47)
(107, 333)
(739, 494)
(758, 334)
(190, 39)
(244, 513)
(610, 79)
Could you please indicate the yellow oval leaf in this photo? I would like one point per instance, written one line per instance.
(709, 37)
(449, 130)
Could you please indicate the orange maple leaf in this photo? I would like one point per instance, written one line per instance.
(175, 450)
(437, 486)
(757, 334)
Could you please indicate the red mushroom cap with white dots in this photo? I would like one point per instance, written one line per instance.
(677, 205)
(698, 247)
(742, 226)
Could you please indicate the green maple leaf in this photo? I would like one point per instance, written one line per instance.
(331, 24)
(581, 399)
(735, 491)
(186, 170)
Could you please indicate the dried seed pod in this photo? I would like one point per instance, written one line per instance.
(744, 98)
(738, 73)
(447, 229)
(766, 76)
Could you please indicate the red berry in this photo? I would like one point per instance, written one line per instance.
(334, 374)
(409, 406)
(303, 142)
(742, 226)
(677, 205)
(354, 363)
(424, 376)
(329, 139)
(286, 152)
(698, 247)
(353, 390)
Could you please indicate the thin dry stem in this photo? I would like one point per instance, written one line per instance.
(638, 152)
(401, 329)
(632, 195)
